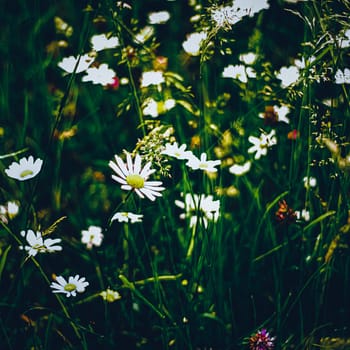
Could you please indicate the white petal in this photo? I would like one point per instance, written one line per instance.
(122, 166)
(137, 164)
(118, 179)
(116, 169)
(129, 162)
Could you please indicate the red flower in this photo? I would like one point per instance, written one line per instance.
(285, 214)
(293, 135)
(261, 341)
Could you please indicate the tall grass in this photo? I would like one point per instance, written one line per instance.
(188, 275)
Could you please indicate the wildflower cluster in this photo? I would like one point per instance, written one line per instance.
(193, 147)
(261, 341)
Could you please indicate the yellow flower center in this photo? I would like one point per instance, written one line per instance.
(135, 181)
(25, 173)
(69, 287)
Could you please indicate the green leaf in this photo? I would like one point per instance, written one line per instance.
(319, 219)
(3, 260)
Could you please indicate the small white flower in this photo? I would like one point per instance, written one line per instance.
(3, 214)
(288, 76)
(159, 17)
(101, 75)
(75, 284)
(239, 170)
(199, 208)
(281, 113)
(262, 143)
(192, 44)
(102, 42)
(304, 214)
(124, 5)
(68, 63)
(345, 42)
(226, 16)
(239, 72)
(248, 58)
(251, 7)
(173, 150)
(153, 108)
(203, 164)
(12, 209)
(110, 295)
(342, 77)
(25, 169)
(8, 211)
(144, 34)
(169, 104)
(126, 217)
(36, 243)
(93, 236)
(152, 78)
(150, 107)
(133, 177)
(309, 181)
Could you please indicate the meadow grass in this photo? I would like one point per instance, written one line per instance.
(181, 182)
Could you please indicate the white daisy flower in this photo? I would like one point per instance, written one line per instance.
(126, 217)
(101, 75)
(173, 150)
(159, 17)
(93, 236)
(154, 108)
(251, 7)
(226, 16)
(75, 284)
(102, 42)
(262, 143)
(133, 177)
(68, 63)
(248, 58)
(200, 208)
(345, 42)
(239, 170)
(280, 112)
(192, 45)
(202, 163)
(36, 243)
(110, 295)
(342, 77)
(239, 72)
(288, 76)
(25, 169)
(152, 78)
(150, 107)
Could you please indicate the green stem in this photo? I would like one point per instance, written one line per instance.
(117, 25)
(191, 245)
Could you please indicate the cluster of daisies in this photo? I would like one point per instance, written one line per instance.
(36, 242)
(221, 17)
